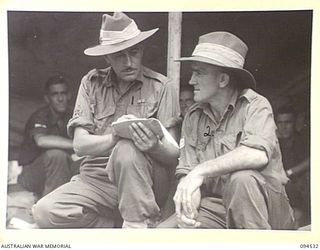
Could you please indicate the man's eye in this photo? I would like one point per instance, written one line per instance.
(134, 51)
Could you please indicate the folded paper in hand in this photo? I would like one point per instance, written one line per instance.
(122, 127)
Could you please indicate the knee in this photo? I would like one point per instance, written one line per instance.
(41, 213)
(241, 180)
(127, 160)
(56, 154)
(124, 152)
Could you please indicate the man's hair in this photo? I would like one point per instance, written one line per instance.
(233, 80)
(287, 109)
(56, 79)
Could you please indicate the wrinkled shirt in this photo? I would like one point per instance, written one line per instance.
(248, 120)
(99, 103)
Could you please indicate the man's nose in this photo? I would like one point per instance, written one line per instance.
(128, 60)
(60, 98)
(192, 80)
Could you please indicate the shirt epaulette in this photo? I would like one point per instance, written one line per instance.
(249, 94)
(154, 75)
(97, 74)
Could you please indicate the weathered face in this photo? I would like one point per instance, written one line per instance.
(126, 63)
(58, 97)
(205, 81)
(286, 125)
(186, 100)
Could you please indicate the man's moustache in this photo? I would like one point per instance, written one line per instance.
(128, 69)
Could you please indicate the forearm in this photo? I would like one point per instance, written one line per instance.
(95, 145)
(53, 141)
(166, 153)
(239, 159)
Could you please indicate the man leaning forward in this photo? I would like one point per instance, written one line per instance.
(230, 171)
(120, 179)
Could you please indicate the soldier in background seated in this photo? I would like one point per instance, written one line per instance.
(295, 149)
(46, 149)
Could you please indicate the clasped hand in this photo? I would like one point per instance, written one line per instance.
(187, 201)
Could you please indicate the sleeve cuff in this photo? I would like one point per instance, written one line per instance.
(79, 122)
(182, 171)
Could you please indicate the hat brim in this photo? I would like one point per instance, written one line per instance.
(101, 50)
(245, 77)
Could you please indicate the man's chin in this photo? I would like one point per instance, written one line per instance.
(61, 111)
(129, 77)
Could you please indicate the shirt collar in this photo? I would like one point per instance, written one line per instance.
(54, 117)
(111, 79)
(248, 94)
(232, 103)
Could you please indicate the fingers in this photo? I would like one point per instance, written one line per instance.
(177, 203)
(185, 222)
(182, 204)
(188, 209)
(137, 139)
(187, 202)
(142, 131)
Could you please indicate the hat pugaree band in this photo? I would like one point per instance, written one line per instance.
(113, 37)
(118, 32)
(225, 50)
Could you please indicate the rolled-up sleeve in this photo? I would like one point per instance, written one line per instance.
(260, 130)
(169, 108)
(82, 114)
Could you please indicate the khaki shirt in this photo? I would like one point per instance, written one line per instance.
(247, 120)
(99, 103)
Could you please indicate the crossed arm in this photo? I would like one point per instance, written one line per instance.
(187, 197)
(52, 141)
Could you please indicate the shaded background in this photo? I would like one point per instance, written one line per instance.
(45, 43)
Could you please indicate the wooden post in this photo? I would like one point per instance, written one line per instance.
(174, 47)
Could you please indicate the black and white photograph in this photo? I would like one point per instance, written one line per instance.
(159, 120)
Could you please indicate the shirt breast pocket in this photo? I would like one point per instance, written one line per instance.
(143, 108)
(230, 141)
(103, 120)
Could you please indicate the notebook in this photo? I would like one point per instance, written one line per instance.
(122, 127)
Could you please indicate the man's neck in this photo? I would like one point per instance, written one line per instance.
(123, 86)
(219, 104)
(56, 115)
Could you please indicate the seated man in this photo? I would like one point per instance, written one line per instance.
(126, 176)
(296, 160)
(230, 171)
(46, 148)
(185, 101)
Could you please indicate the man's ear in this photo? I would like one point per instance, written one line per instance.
(224, 80)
